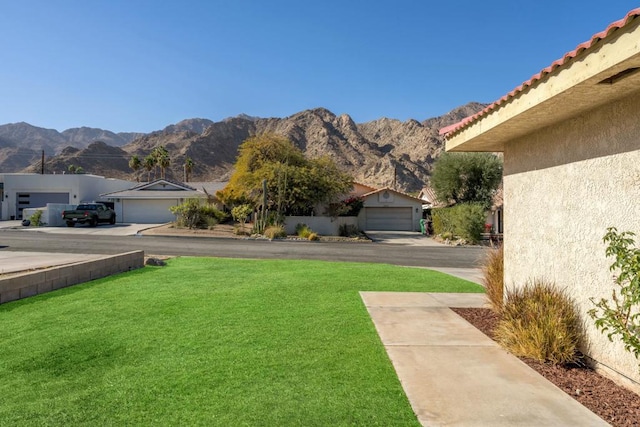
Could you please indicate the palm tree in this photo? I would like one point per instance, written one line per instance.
(164, 161)
(188, 168)
(135, 164)
(149, 163)
(161, 156)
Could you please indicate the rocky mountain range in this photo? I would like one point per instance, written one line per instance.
(384, 152)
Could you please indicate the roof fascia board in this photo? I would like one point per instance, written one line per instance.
(554, 98)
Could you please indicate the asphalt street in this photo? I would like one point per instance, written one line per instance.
(424, 256)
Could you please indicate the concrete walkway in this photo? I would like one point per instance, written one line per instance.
(13, 262)
(454, 375)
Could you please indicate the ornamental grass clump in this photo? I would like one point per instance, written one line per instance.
(303, 230)
(275, 232)
(493, 278)
(540, 321)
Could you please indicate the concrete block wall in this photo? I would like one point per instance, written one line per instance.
(24, 285)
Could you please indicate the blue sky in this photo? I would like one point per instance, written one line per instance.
(138, 66)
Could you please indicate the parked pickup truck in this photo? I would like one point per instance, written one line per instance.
(89, 213)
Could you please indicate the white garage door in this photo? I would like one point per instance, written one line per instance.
(391, 219)
(147, 211)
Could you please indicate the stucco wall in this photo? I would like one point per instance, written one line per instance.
(323, 225)
(564, 185)
(80, 187)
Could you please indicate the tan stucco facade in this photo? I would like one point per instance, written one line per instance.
(571, 143)
(564, 185)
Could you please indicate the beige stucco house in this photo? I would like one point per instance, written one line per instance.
(571, 142)
(151, 202)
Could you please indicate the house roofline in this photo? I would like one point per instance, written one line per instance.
(572, 80)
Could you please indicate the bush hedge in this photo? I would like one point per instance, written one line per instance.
(465, 221)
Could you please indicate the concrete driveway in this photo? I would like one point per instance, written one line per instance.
(80, 229)
(408, 238)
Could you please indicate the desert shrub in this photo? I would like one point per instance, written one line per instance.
(275, 232)
(442, 222)
(621, 316)
(348, 230)
(493, 278)
(313, 237)
(447, 235)
(213, 212)
(540, 321)
(36, 218)
(210, 222)
(193, 214)
(468, 221)
(240, 213)
(303, 230)
(465, 221)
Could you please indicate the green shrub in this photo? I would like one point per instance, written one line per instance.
(441, 220)
(540, 321)
(447, 235)
(621, 315)
(36, 218)
(348, 230)
(303, 230)
(240, 213)
(493, 278)
(275, 232)
(465, 221)
(193, 214)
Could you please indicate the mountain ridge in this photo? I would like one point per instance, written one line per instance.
(382, 152)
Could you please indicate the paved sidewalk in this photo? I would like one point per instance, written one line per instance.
(119, 229)
(13, 262)
(454, 375)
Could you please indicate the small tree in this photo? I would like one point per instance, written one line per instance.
(621, 316)
(272, 172)
(466, 177)
(240, 214)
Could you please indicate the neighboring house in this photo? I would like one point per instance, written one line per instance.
(19, 191)
(494, 214)
(151, 202)
(429, 198)
(571, 142)
(391, 210)
(384, 209)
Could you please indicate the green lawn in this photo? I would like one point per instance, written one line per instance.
(208, 341)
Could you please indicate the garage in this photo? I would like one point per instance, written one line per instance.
(27, 200)
(147, 211)
(389, 218)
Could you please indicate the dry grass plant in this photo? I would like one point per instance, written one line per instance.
(275, 232)
(493, 278)
(540, 321)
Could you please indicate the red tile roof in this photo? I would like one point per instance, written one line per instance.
(538, 77)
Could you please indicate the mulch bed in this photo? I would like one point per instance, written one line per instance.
(615, 404)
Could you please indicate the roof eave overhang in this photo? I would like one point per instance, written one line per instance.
(579, 86)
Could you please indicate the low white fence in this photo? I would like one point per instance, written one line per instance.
(51, 214)
(323, 225)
